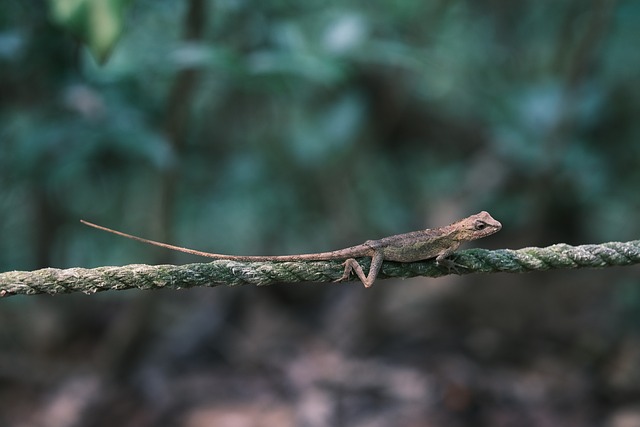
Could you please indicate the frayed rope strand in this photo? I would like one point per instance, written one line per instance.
(233, 273)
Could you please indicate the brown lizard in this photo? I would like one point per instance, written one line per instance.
(436, 243)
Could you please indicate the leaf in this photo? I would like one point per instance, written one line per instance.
(97, 23)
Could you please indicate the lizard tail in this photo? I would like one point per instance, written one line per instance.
(154, 243)
(339, 254)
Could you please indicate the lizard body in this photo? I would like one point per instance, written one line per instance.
(436, 243)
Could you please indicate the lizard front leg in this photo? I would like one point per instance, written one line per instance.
(444, 260)
(352, 265)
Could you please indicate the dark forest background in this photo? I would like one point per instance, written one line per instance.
(278, 127)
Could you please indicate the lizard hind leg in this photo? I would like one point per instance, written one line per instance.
(352, 265)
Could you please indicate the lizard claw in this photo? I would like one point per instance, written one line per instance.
(450, 265)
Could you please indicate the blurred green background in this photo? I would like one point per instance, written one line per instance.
(280, 127)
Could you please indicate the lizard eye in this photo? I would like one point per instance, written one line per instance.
(480, 225)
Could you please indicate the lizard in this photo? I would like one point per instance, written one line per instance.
(438, 243)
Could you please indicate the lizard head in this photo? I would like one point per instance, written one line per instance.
(478, 226)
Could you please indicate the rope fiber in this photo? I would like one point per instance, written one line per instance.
(232, 273)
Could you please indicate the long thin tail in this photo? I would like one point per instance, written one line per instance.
(355, 251)
(153, 242)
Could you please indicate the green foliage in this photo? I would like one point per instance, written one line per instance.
(97, 23)
(305, 126)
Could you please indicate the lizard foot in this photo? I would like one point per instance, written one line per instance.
(352, 265)
(348, 268)
(450, 265)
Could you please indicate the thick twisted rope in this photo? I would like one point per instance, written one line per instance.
(232, 273)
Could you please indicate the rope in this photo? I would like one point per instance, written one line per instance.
(232, 273)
